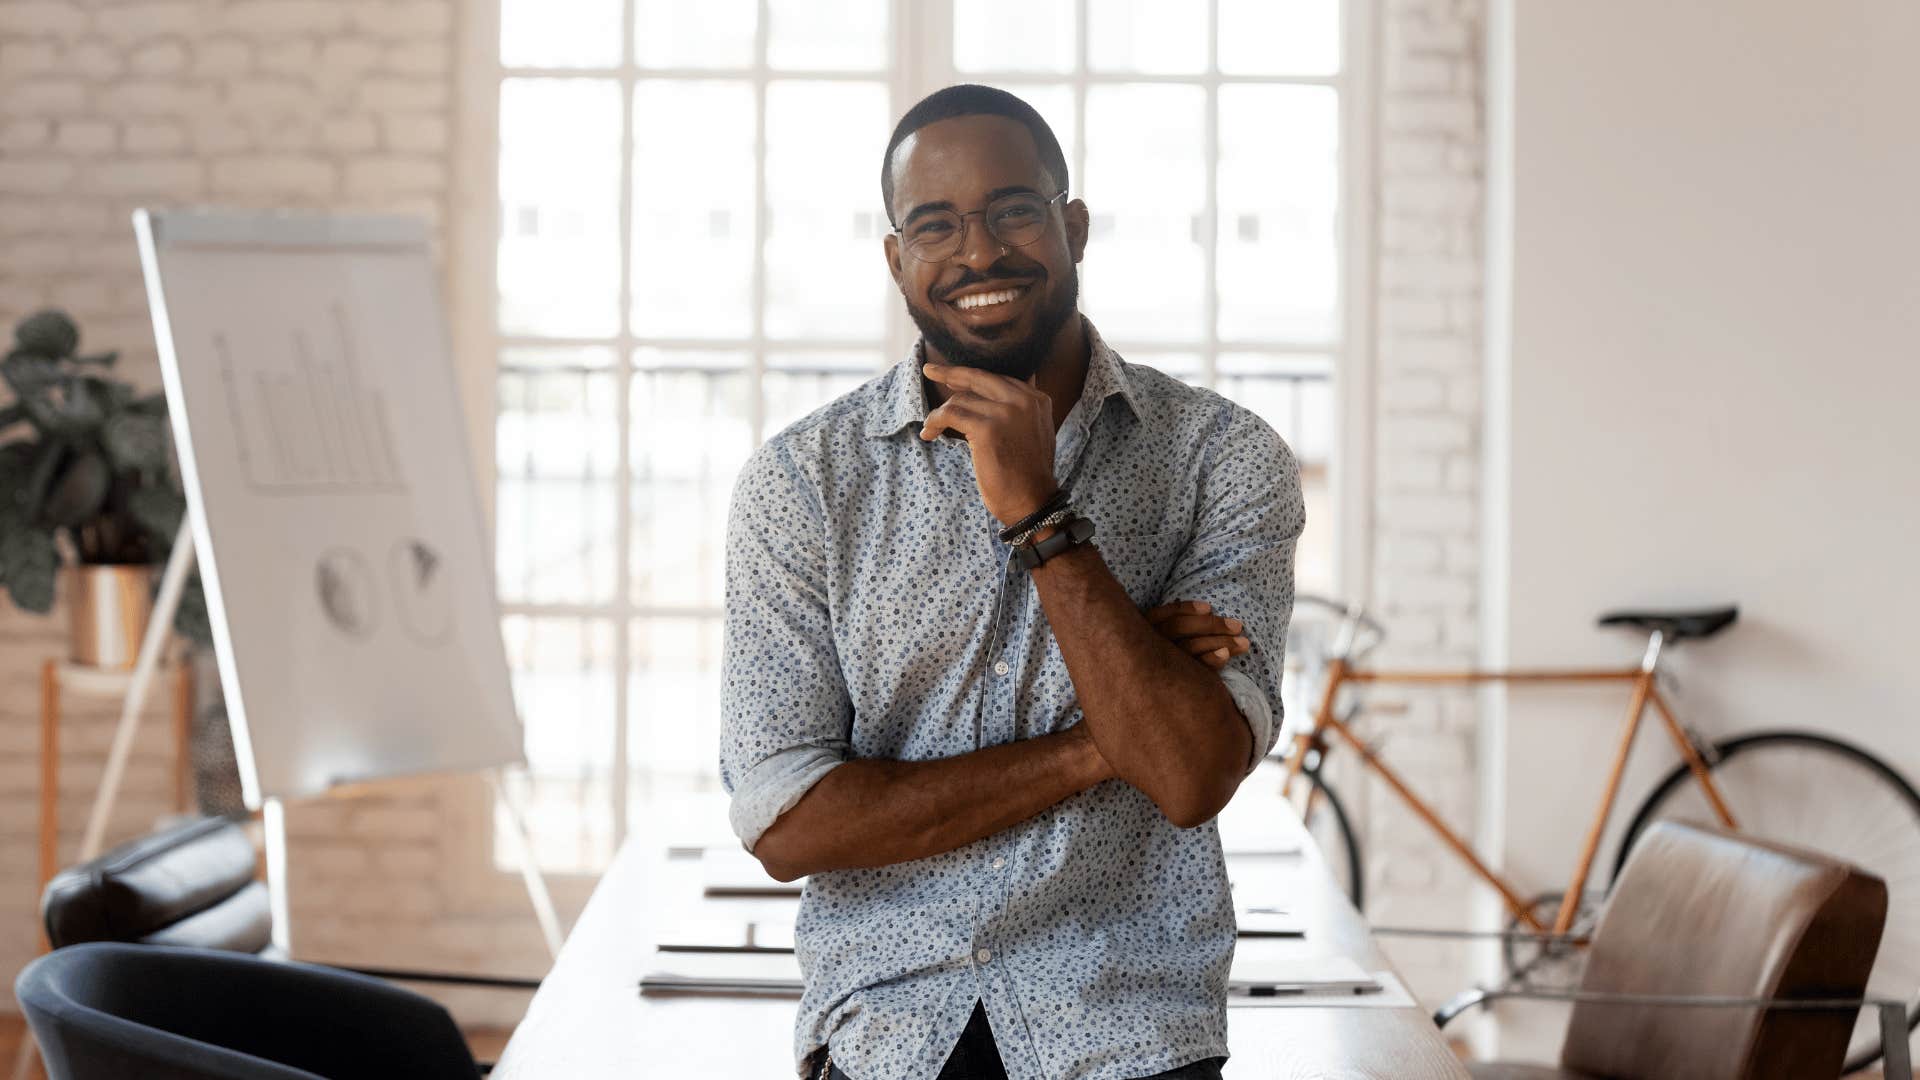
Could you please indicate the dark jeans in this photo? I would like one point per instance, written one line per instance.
(975, 1057)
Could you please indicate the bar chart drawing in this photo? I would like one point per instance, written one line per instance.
(312, 425)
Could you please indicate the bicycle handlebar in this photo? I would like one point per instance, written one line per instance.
(1350, 614)
(1353, 611)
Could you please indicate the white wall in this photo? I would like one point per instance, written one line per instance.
(1706, 377)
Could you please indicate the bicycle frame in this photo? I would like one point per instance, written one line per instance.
(1340, 673)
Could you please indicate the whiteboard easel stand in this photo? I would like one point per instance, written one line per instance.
(173, 583)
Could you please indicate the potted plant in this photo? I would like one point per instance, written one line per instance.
(87, 481)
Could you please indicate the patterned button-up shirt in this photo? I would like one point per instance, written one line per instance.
(872, 612)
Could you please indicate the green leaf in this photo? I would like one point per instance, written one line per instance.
(50, 333)
(135, 441)
(40, 476)
(80, 491)
(109, 393)
(155, 403)
(28, 373)
(16, 460)
(16, 469)
(69, 411)
(28, 563)
(158, 511)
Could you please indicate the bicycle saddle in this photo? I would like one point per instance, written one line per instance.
(1676, 625)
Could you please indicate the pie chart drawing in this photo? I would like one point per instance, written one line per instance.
(346, 587)
(420, 590)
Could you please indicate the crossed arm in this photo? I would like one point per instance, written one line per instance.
(876, 812)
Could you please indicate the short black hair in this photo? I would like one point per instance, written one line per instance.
(972, 99)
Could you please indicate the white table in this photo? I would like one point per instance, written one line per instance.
(589, 1022)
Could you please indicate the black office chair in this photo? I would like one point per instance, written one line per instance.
(192, 884)
(106, 1011)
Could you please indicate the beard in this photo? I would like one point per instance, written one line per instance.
(1017, 359)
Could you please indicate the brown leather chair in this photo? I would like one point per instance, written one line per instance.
(1703, 914)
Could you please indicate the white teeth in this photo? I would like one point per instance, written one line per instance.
(978, 300)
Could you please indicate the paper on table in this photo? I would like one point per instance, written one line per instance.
(1266, 923)
(1270, 971)
(727, 935)
(722, 973)
(1391, 995)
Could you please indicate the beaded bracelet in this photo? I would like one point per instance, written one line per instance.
(1049, 521)
(1032, 521)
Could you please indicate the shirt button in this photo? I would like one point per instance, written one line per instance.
(983, 955)
(999, 862)
(999, 667)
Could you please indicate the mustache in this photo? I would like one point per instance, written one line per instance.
(997, 272)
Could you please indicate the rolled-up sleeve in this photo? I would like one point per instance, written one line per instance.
(785, 714)
(1240, 560)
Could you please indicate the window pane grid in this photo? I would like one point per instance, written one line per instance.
(1225, 232)
(691, 394)
(695, 386)
(555, 459)
(566, 667)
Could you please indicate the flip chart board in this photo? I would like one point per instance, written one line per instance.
(331, 494)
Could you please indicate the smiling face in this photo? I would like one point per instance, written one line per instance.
(989, 305)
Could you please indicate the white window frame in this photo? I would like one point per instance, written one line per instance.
(1350, 479)
(922, 34)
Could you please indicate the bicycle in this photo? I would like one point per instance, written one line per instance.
(1798, 787)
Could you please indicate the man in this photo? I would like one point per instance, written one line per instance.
(998, 775)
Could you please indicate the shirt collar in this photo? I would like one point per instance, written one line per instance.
(905, 400)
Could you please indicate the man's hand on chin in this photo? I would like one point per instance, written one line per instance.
(1008, 426)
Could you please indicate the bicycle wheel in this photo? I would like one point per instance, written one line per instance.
(1327, 822)
(1829, 796)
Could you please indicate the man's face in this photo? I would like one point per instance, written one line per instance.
(961, 165)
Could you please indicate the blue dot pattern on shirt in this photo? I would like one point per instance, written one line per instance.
(868, 604)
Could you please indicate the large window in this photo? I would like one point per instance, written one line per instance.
(689, 260)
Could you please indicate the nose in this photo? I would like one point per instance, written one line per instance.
(979, 248)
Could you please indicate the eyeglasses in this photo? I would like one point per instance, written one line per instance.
(1016, 220)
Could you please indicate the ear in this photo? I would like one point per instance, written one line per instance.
(1078, 224)
(891, 242)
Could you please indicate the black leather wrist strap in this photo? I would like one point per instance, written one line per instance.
(1073, 533)
(1026, 524)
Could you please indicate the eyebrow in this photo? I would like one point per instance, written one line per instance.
(928, 208)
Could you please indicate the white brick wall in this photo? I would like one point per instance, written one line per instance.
(289, 103)
(1427, 463)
